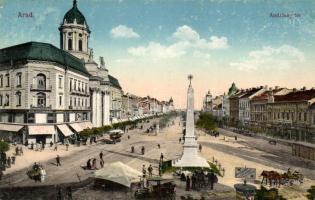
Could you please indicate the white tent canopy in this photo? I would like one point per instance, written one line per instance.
(116, 131)
(119, 173)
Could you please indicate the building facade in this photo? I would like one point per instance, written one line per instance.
(291, 116)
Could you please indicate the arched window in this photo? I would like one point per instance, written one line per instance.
(41, 81)
(69, 44)
(80, 45)
(18, 98)
(41, 99)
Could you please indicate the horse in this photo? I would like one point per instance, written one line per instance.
(273, 177)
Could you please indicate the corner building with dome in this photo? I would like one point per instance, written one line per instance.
(51, 94)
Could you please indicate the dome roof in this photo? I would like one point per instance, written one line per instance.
(74, 13)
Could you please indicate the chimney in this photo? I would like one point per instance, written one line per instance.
(294, 90)
(277, 87)
(303, 88)
(271, 98)
(266, 87)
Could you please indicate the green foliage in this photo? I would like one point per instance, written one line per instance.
(206, 122)
(311, 193)
(265, 194)
(4, 146)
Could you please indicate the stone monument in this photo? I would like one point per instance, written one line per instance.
(190, 156)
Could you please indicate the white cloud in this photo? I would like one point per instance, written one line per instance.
(187, 40)
(156, 50)
(272, 58)
(186, 33)
(123, 31)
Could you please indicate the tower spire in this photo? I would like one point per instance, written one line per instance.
(74, 3)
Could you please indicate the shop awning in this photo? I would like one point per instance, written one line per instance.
(86, 125)
(80, 126)
(77, 127)
(65, 130)
(41, 130)
(10, 127)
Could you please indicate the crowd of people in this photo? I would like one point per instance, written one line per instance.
(199, 179)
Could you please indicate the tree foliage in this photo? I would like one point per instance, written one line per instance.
(4, 146)
(311, 193)
(206, 121)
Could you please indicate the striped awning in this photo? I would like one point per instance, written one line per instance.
(41, 130)
(65, 130)
(10, 127)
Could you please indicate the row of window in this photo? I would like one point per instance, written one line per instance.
(30, 117)
(244, 105)
(7, 80)
(70, 45)
(78, 102)
(288, 116)
(76, 85)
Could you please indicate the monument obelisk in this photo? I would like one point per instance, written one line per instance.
(190, 156)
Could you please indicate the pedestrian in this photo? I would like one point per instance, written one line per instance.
(187, 183)
(193, 181)
(180, 140)
(58, 160)
(101, 155)
(9, 162)
(94, 163)
(235, 137)
(67, 146)
(132, 149)
(223, 171)
(161, 158)
(56, 147)
(144, 171)
(51, 144)
(88, 164)
(101, 163)
(32, 145)
(13, 160)
(212, 179)
(200, 147)
(128, 137)
(1, 174)
(17, 151)
(150, 170)
(159, 146)
(142, 150)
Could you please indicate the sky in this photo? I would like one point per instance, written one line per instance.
(151, 46)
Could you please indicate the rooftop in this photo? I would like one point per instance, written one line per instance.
(42, 52)
(300, 95)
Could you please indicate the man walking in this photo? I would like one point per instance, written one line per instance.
(161, 158)
(101, 155)
(150, 169)
(67, 146)
(58, 160)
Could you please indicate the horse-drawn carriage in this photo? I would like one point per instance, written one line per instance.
(276, 178)
(157, 188)
(37, 173)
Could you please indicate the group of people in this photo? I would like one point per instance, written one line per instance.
(200, 179)
(92, 162)
(142, 150)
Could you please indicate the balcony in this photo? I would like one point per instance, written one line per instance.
(40, 107)
(38, 88)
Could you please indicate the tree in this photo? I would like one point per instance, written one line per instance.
(4, 146)
(206, 121)
(311, 193)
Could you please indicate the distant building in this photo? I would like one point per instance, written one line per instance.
(258, 105)
(244, 103)
(291, 116)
